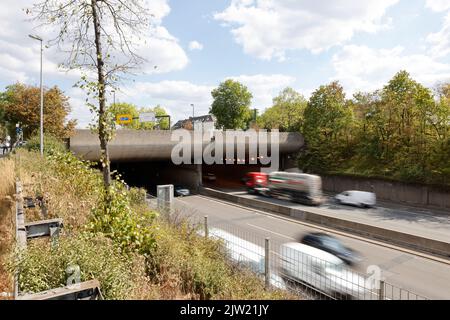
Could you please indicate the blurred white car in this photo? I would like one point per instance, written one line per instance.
(246, 254)
(357, 198)
(321, 270)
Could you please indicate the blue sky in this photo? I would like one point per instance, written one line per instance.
(266, 44)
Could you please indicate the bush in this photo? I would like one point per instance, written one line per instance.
(43, 267)
(115, 217)
(51, 144)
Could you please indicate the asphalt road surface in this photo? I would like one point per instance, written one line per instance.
(425, 277)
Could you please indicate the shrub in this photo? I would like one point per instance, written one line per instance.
(51, 144)
(43, 267)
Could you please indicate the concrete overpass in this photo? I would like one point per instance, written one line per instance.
(146, 155)
(156, 145)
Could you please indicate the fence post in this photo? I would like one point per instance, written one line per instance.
(381, 291)
(206, 227)
(266, 263)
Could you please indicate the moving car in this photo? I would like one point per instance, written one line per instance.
(256, 182)
(210, 177)
(181, 191)
(332, 245)
(321, 270)
(246, 254)
(299, 187)
(357, 198)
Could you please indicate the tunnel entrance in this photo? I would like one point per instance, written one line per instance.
(149, 175)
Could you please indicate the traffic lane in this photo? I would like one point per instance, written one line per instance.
(419, 275)
(429, 226)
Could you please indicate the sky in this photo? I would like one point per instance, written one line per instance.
(265, 44)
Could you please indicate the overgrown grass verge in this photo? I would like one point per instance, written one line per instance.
(114, 237)
(7, 225)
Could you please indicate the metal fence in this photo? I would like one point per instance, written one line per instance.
(302, 270)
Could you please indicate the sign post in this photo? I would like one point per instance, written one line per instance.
(147, 117)
(124, 118)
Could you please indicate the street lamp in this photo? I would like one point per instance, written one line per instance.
(42, 97)
(193, 113)
(114, 97)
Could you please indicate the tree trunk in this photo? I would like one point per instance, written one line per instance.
(102, 128)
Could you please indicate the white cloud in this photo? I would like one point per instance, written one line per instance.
(264, 87)
(440, 41)
(195, 45)
(19, 59)
(360, 68)
(438, 5)
(268, 28)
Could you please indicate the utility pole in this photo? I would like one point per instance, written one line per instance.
(42, 97)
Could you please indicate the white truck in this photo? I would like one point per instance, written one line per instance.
(299, 187)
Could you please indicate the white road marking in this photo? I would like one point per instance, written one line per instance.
(264, 229)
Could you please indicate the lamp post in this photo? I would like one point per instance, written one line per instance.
(42, 98)
(193, 113)
(114, 97)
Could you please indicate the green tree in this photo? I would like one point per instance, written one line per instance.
(287, 112)
(101, 37)
(231, 105)
(21, 104)
(327, 124)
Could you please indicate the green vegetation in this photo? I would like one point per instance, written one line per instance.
(134, 252)
(401, 131)
(231, 105)
(21, 104)
(286, 114)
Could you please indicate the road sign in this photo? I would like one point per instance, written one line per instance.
(147, 117)
(124, 118)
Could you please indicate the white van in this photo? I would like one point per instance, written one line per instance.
(246, 254)
(357, 198)
(321, 270)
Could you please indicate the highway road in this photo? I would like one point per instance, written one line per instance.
(424, 222)
(426, 277)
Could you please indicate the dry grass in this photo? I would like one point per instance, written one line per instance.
(7, 187)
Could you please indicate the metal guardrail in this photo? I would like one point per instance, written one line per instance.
(89, 290)
(299, 273)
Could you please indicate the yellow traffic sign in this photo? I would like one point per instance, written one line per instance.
(124, 118)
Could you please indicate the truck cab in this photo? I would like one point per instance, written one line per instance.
(256, 182)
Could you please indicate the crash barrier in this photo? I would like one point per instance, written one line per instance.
(304, 275)
(89, 290)
(410, 241)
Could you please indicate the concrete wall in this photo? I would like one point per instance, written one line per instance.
(408, 193)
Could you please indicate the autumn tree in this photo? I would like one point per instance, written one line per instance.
(231, 105)
(21, 104)
(287, 112)
(327, 120)
(100, 37)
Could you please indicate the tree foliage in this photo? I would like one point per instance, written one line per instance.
(327, 122)
(21, 104)
(286, 114)
(231, 105)
(400, 131)
(102, 38)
